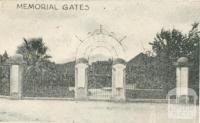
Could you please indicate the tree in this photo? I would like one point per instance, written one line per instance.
(40, 74)
(34, 53)
(169, 45)
(174, 44)
(4, 57)
(33, 50)
(194, 68)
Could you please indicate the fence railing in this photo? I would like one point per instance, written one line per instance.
(4, 80)
(46, 83)
(133, 93)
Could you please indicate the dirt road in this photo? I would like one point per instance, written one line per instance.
(62, 111)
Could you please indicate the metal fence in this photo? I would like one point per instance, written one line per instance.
(150, 80)
(47, 84)
(4, 80)
(134, 93)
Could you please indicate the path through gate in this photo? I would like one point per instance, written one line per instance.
(100, 80)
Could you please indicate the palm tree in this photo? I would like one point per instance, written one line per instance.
(35, 55)
(33, 50)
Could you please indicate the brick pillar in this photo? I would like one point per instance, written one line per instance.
(81, 79)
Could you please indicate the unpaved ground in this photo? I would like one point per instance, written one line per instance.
(84, 112)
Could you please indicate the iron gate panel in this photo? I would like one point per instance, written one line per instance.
(100, 80)
(5, 80)
(47, 84)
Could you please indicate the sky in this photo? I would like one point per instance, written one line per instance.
(138, 20)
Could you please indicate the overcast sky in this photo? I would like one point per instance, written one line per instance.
(139, 21)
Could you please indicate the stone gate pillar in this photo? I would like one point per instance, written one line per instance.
(118, 80)
(81, 79)
(16, 76)
(182, 76)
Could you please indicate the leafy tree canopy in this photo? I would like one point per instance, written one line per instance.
(33, 50)
(169, 45)
(173, 44)
(4, 57)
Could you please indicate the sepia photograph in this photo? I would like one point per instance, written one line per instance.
(99, 61)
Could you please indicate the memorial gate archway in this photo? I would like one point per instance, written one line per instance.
(100, 38)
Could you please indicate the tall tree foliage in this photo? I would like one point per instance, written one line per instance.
(33, 50)
(41, 78)
(174, 44)
(194, 40)
(4, 57)
(169, 45)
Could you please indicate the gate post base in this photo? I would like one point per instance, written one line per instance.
(117, 99)
(119, 95)
(15, 96)
(81, 94)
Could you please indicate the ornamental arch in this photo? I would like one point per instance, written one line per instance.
(100, 38)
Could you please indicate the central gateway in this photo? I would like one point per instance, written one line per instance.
(101, 85)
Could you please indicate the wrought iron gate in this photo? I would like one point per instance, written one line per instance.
(100, 80)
